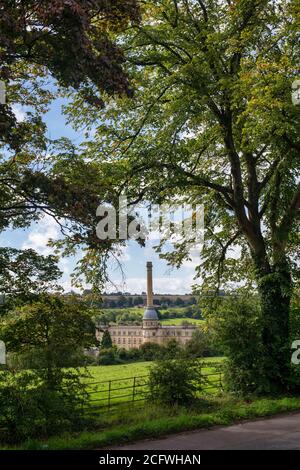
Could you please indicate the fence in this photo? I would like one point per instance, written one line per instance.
(111, 394)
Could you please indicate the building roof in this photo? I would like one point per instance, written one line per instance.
(150, 314)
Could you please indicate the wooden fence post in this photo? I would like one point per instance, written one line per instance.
(133, 389)
(109, 392)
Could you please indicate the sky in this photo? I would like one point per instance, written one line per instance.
(166, 280)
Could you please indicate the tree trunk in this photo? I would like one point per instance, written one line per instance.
(275, 289)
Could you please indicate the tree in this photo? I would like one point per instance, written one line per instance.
(213, 121)
(106, 341)
(45, 397)
(72, 45)
(138, 300)
(178, 302)
(24, 275)
(47, 333)
(236, 327)
(198, 344)
(71, 39)
(121, 301)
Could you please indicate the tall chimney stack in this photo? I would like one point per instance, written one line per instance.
(149, 285)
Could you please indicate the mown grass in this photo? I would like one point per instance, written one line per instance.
(178, 321)
(152, 422)
(119, 310)
(119, 371)
(123, 377)
(122, 371)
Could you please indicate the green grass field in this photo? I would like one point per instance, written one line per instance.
(134, 310)
(123, 371)
(114, 385)
(178, 321)
(131, 423)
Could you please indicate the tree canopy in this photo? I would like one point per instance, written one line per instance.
(47, 50)
(213, 121)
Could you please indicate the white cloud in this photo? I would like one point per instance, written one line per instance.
(124, 254)
(161, 285)
(19, 112)
(40, 235)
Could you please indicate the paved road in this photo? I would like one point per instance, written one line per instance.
(281, 432)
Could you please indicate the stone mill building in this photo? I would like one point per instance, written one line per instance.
(150, 330)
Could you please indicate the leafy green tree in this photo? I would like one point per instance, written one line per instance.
(179, 302)
(29, 409)
(172, 349)
(138, 300)
(47, 333)
(72, 45)
(24, 275)
(45, 397)
(151, 351)
(198, 344)
(213, 121)
(237, 325)
(106, 341)
(71, 40)
(108, 357)
(121, 301)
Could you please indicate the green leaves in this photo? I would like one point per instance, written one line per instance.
(211, 121)
(24, 274)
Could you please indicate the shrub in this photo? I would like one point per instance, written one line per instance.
(108, 357)
(198, 344)
(30, 409)
(171, 350)
(129, 354)
(150, 351)
(175, 381)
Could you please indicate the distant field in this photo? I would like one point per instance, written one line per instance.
(134, 310)
(178, 321)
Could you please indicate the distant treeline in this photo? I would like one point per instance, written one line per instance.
(123, 301)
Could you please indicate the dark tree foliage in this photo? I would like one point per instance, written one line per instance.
(71, 44)
(48, 331)
(69, 38)
(106, 341)
(24, 274)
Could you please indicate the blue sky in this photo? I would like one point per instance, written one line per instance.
(134, 257)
